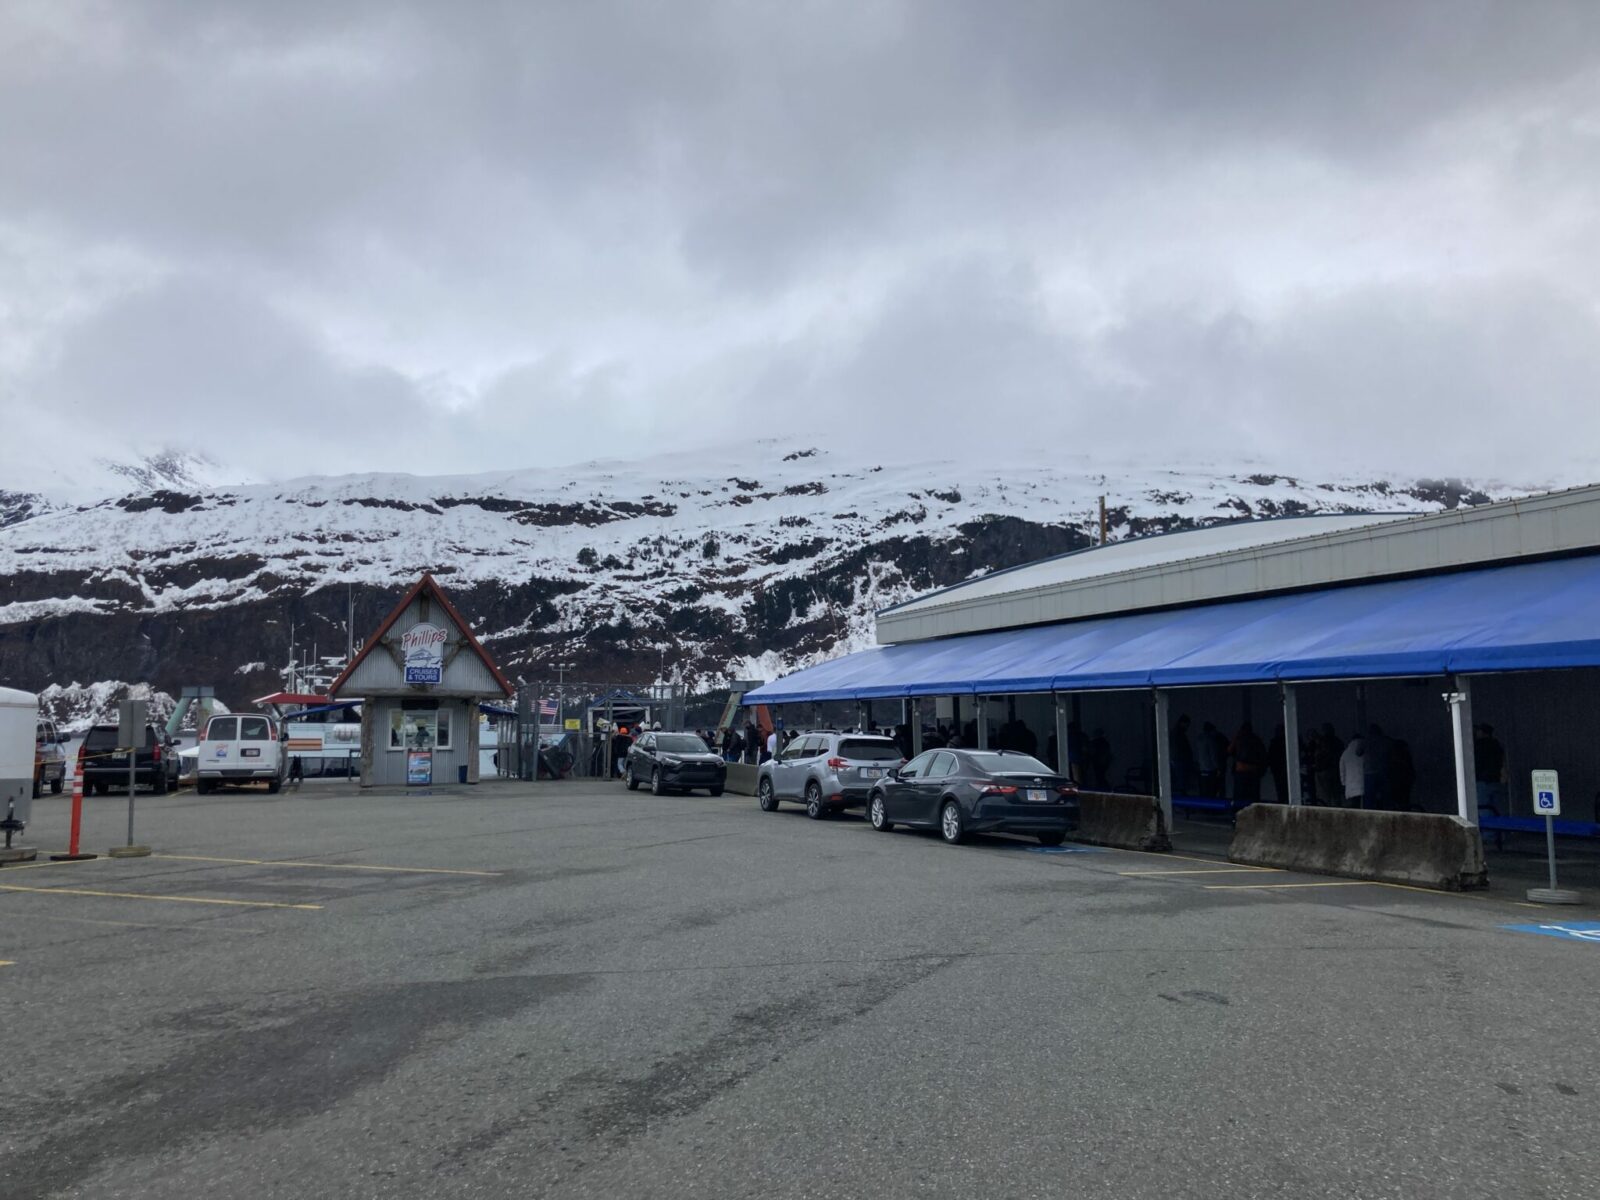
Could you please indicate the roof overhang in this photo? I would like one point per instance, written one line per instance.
(1519, 617)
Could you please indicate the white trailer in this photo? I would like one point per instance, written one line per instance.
(19, 723)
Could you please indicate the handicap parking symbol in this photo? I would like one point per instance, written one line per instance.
(1064, 850)
(1575, 931)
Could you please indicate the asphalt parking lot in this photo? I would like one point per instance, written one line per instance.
(579, 991)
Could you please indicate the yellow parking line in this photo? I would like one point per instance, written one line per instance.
(1169, 856)
(1211, 871)
(273, 862)
(12, 887)
(64, 863)
(1234, 887)
(6, 962)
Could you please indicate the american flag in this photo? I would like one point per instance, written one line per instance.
(547, 707)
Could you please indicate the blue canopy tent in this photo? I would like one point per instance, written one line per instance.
(1525, 616)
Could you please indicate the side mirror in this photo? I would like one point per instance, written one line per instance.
(894, 772)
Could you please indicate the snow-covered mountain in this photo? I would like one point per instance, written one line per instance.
(75, 481)
(717, 564)
(76, 706)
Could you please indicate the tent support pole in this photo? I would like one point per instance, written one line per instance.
(1460, 700)
(980, 717)
(1163, 757)
(1291, 740)
(1063, 715)
(914, 719)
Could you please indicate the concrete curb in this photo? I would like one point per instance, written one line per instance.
(1418, 849)
(1125, 822)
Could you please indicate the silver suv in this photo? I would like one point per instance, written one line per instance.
(826, 770)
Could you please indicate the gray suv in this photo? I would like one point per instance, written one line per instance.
(827, 771)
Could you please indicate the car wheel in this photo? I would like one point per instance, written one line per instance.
(715, 791)
(203, 786)
(631, 779)
(56, 785)
(814, 806)
(952, 825)
(878, 815)
(655, 782)
(766, 797)
(1052, 839)
(274, 786)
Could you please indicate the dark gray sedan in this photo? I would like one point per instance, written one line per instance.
(959, 792)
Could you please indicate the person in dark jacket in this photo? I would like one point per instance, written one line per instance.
(1402, 775)
(1210, 755)
(1325, 766)
(1249, 756)
(1182, 751)
(1100, 757)
(1376, 767)
(1489, 765)
(1278, 758)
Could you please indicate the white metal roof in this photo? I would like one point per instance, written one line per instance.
(1135, 554)
(1251, 558)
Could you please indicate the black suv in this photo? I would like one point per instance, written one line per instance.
(103, 769)
(674, 762)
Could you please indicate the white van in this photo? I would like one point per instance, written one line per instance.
(240, 748)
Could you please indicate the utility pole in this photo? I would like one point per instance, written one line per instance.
(561, 669)
(1102, 520)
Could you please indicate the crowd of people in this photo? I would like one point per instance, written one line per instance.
(1372, 770)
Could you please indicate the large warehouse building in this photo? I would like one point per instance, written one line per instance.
(1416, 630)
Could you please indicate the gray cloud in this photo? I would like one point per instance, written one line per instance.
(1355, 233)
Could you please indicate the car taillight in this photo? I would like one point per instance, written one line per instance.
(837, 763)
(82, 746)
(155, 755)
(999, 789)
(1067, 789)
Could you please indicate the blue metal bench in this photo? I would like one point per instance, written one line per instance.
(1564, 827)
(1206, 804)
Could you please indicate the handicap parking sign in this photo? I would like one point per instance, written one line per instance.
(1546, 794)
(1572, 931)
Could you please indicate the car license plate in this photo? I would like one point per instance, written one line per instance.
(870, 772)
(250, 752)
(1038, 795)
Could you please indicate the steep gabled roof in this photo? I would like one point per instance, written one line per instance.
(430, 585)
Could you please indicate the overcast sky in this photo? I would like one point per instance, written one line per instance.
(304, 236)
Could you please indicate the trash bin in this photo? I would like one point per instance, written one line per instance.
(461, 773)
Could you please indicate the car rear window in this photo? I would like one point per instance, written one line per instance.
(869, 750)
(1005, 764)
(101, 737)
(222, 729)
(254, 729)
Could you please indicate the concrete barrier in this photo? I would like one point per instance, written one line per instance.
(1421, 849)
(1127, 822)
(742, 778)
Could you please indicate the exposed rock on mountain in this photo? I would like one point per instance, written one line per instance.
(770, 561)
